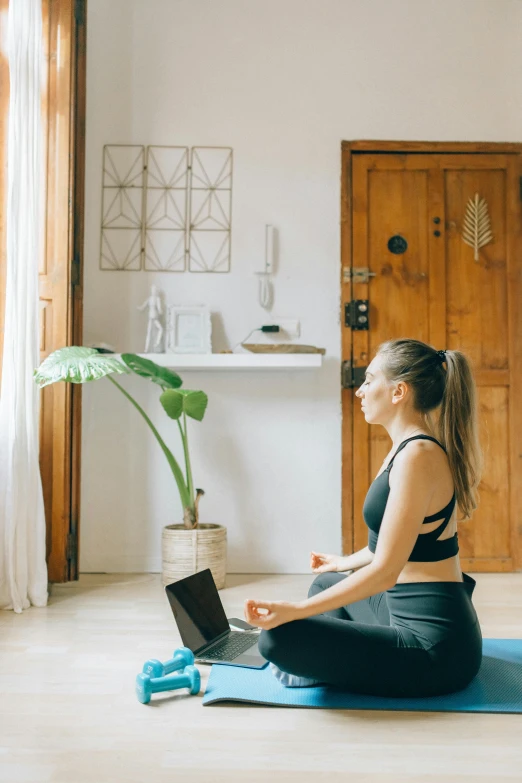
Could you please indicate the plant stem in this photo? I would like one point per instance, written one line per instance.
(182, 436)
(190, 482)
(186, 499)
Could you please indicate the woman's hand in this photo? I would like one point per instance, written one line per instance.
(320, 563)
(276, 613)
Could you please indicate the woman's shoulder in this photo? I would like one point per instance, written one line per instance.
(422, 455)
(423, 446)
(423, 450)
(423, 466)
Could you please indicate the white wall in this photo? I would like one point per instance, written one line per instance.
(282, 82)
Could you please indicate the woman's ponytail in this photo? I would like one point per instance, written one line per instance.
(459, 430)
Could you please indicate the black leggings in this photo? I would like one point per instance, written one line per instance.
(417, 639)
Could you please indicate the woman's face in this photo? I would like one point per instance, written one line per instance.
(376, 394)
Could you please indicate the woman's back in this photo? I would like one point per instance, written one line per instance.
(447, 570)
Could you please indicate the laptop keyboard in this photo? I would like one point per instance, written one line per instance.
(232, 646)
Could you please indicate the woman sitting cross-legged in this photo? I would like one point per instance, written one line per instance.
(403, 622)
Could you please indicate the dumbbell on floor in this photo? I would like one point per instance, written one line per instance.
(146, 685)
(182, 657)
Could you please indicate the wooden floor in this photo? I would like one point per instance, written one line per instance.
(68, 712)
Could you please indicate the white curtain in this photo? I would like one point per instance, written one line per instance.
(23, 571)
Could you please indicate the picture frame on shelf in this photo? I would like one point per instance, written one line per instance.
(189, 330)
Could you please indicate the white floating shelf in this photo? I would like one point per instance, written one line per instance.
(236, 361)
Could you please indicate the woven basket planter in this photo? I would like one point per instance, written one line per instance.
(186, 552)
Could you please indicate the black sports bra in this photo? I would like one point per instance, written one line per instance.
(427, 548)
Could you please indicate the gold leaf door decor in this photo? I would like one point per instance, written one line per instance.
(476, 231)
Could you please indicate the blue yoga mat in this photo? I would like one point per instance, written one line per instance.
(496, 688)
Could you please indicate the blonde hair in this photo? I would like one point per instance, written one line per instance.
(455, 392)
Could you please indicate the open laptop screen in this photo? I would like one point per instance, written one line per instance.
(198, 610)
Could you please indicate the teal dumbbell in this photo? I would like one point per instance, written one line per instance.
(146, 685)
(182, 657)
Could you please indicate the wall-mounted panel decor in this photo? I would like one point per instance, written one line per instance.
(166, 195)
(210, 209)
(165, 205)
(476, 227)
(122, 207)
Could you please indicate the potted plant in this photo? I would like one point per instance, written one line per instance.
(186, 547)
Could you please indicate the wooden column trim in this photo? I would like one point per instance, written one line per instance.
(514, 248)
(346, 343)
(79, 64)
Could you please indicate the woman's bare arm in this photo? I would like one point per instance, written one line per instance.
(362, 557)
(368, 581)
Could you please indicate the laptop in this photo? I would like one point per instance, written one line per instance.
(204, 627)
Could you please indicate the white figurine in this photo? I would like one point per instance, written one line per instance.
(155, 310)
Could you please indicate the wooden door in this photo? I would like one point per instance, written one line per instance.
(60, 268)
(404, 213)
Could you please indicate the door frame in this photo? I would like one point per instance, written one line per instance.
(64, 223)
(79, 101)
(348, 150)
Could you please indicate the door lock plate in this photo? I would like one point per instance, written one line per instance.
(352, 376)
(356, 314)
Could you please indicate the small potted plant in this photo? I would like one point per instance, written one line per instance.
(189, 546)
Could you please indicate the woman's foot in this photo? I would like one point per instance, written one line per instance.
(292, 680)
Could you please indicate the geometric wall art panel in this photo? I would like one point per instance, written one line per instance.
(165, 251)
(166, 208)
(209, 251)
(166, 197)
(121, 249)
(210, 209)
(122, 207)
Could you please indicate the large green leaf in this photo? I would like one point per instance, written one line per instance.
(164, 377)
(172, 402)
(193, 403)
(76, 364)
